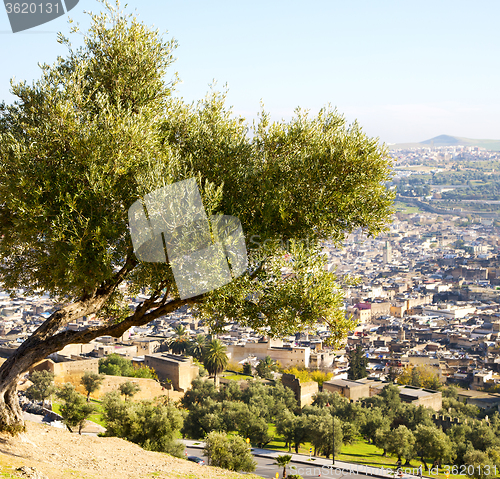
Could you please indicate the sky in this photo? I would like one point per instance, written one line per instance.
(406, 70)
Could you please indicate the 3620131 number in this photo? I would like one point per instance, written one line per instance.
(32, 8)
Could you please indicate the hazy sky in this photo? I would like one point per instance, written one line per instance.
(406, 70)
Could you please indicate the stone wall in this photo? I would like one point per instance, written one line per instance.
(304, 392)
(68, 368)
(179, 369)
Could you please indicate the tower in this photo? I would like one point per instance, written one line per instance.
(387, 255)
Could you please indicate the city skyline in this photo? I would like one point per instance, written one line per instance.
(405, 72)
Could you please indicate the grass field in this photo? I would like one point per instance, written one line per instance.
(406, 208)
(238, 377)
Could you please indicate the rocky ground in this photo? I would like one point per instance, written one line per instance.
(48, 452)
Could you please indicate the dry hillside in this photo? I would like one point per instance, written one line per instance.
(58, 454)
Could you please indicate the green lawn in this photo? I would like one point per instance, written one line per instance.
(238, 377)
(405, 208)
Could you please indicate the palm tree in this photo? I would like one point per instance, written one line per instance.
(283, 461)
(196, 346)
(180, 342)
(215, 359)
(265, 367)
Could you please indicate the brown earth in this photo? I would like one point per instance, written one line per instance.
(58, 454)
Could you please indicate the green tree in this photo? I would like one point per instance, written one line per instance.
(266, 367)
(400, 442)
(231, 453)
(101, 129)
(203, 418)
(374, 421)
(75, 410)
(215, 358)
(196, 346)
(200, 390)
(450, 392)
(456, 408)
(152, 426)
(357, 363)
(282, 461)
(391, 399)
(337, 434)
(180, 343)
(42, 387)
(301, 431)
(483, 437)
(91, 382)
(323, 399)
(116, 365)
(433, 443)
(129, 389)
(259, 398)
(247, 369)
(479, 465)
(283, 398)
(411, 416)
(255, 428)
(320, 423)
(285, 427)
(230, 392)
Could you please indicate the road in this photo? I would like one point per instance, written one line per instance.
(266, 468)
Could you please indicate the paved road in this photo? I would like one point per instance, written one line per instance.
(266, 468)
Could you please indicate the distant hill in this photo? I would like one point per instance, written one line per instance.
(448, 140)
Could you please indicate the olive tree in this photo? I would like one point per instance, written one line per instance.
(91, 382)
(229, 452)
(42, 387)
(75, 410)
(100, 129)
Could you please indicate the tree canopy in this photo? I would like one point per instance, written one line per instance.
(102, 128)
(357, 363)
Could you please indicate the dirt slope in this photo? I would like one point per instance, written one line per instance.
(61, 455)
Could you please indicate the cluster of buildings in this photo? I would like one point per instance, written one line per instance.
(428, 294)
(413, 155)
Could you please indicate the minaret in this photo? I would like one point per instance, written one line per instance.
(387, 256)
(401, 335)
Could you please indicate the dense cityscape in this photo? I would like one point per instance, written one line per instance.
(425, 303)
(225, 253)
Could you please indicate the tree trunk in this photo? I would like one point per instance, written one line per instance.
(11, 415)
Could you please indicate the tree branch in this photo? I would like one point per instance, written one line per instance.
(139, 318)
(85, 305)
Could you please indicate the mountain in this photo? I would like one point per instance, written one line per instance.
(448, 140)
